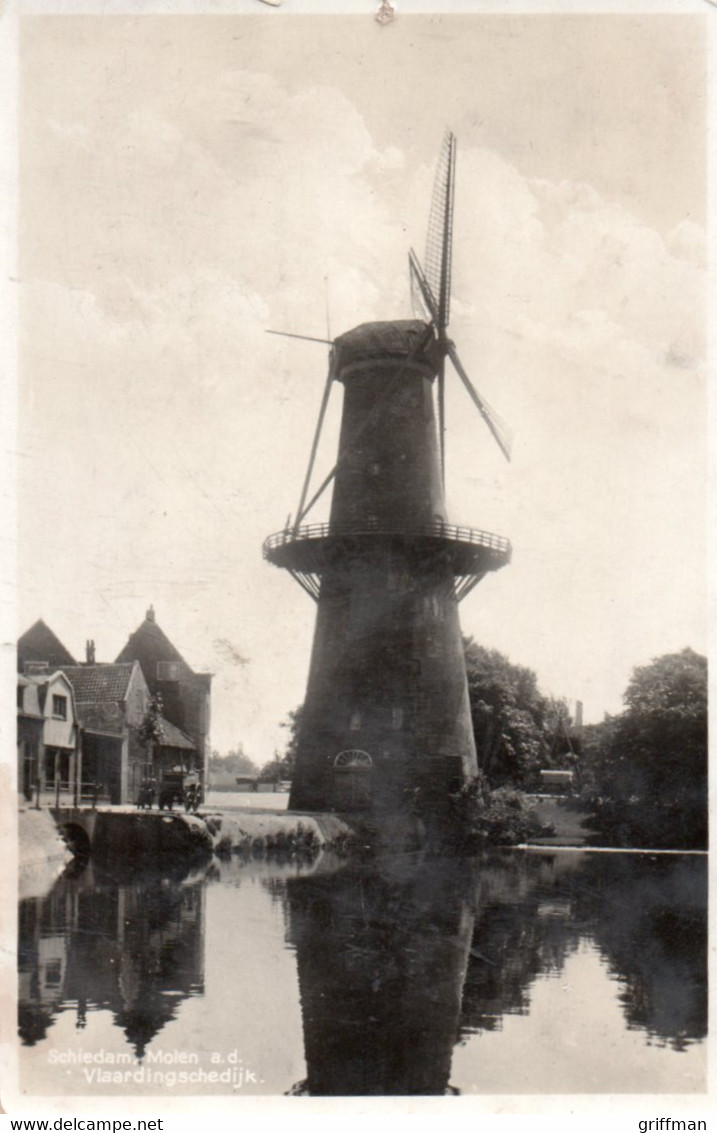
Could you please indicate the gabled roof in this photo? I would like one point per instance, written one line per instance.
(149, 643)
(95, 684)
(39, 643)
(172, 736)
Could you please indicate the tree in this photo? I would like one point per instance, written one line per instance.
(235, 762)
(150, 731)
(649, 765)
(282, 766)
(225, 769)
(511, 717)
(293, 724)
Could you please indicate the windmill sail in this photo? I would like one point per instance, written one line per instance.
(437, 260)
(493, 420)
(418, 301)
(423, 299)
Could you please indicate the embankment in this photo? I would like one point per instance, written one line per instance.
(43, 854)
(243, 830)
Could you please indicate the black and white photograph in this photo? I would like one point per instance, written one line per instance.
(357, 601)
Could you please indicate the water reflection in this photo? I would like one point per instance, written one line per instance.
(396, 963)
(650, 923)
(646, 915)
(100, 941)
(382, 956)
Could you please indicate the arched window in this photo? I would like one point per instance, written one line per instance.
(353, 758)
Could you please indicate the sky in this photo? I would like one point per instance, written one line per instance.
(188, 182)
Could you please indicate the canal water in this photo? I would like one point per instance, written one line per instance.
(516, 972)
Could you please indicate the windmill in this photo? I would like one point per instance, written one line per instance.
(386, 716)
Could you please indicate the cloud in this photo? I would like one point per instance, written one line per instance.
(548, 254)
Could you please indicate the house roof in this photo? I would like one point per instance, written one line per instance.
(42, 681)
(172, 736)
(149, 643)
(39, 643)
(94, 684)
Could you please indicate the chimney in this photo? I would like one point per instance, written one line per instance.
(150, 614)
(90, 651)
(578, 713)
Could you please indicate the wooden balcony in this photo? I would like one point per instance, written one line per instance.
(310, 551)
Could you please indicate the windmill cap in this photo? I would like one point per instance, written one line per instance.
(385, 340)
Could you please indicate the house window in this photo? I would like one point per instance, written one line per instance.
(355, 722)
(397, 718)
(167, 670)
(53, 973)
(59, 707)
(20, 697)
(50, 767)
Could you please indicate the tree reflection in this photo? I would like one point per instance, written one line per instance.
(647, 916)
(650, 922)
(524, 928)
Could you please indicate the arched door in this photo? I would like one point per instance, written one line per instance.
(352, 780)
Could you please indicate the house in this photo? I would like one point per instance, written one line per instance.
(111, 703)
(47, 735)
(185, 695)
(106, 706)
(112, 700)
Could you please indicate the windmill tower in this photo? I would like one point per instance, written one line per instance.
(386, 712)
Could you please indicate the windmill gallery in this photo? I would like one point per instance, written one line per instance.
(387, 716)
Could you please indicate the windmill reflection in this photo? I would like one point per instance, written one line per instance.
(134, 947)
(382, 955)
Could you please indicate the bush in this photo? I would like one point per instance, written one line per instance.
(502, 817)
(651, 824)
